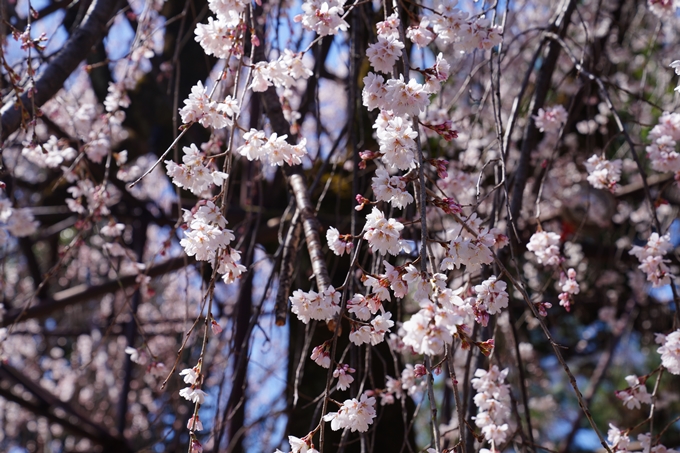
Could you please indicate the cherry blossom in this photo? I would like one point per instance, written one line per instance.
(550, 119)
(397, 140)
(192, 394)
(321, 355)
(384, 53)
(339, 244)
(192, 174)
(651, 259)
(51, 154)
(635, 394)
(312, 305)
(276, 150)
(491, 298)
(282, 72)
(194, 424)
(343, 374)
(493, 401)
(323, 17)
(209, 113)
(354, 414)
(219, 37)
(546, 248)
(670, 351)
(382, 234)
(391, 189)
(602, 173)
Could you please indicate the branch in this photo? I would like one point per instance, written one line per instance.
(50, 81)
(531, 133)
(298, 185)
(42, 403)
(82, 293)
(291, 246)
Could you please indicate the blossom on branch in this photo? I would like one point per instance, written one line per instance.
(546, 248)
(383, 235)
(323, 17)
(354, 414)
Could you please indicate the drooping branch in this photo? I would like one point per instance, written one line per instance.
(52, 78)
(291, 246)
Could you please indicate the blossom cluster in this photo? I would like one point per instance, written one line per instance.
(282, 72)
(550, 119)
(89, 198)
(323, 17)
(383, 235)
(397, 99)
(222, 37)
(192, 174)
(193, 393)
(472, 245)
(339, 244)
(620, 442)
(651, 258)
(17, 222)
(569, 286)
(384, 54)
(374, 333)
(310, 305)
(408, 382)
(433, 327)
(207, 238)
(50, 154)
(491, 298)
(546, 247)
(664, 136)
(635, 394)
(343, 373)
(670, 351)
(275, 150)
(321, 355)
(391, 189)
(457, 28)
(494, 403)
(354, 414)
(602, 173)
(199, 107)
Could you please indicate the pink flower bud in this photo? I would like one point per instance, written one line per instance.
(216, 328)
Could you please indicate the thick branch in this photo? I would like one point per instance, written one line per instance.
(43, 403)
(83, 293)
(531, 133)
(298, 185)
(50, 81)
